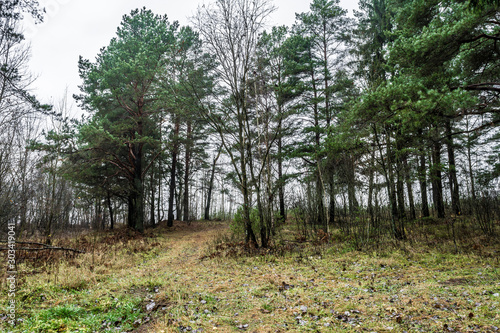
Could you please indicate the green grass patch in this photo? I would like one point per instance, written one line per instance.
(99, 316)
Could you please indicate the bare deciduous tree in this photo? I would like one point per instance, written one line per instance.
(230, 31)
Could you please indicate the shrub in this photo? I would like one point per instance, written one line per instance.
(237, 225)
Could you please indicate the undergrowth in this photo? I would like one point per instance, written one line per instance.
(202, 278)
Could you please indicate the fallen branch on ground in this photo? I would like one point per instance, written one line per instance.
(44, 247)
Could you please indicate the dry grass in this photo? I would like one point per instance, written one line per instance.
(196, 277)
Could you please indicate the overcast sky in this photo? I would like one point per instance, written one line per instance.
(82, 27)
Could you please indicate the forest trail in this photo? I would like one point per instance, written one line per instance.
(186, 243)
(204, 289)
(187, 279)
(180, 263)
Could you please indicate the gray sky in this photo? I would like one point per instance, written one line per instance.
(82, 27)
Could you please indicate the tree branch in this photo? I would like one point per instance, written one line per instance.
(496, 38)
(44, 247)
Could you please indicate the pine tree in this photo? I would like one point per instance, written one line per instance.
(120, 89)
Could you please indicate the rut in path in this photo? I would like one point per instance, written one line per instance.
(179, 262)
(185, 244)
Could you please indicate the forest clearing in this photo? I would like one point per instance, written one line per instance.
(194, 278)
(319, 168)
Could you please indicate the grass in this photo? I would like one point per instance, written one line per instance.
(195, 278)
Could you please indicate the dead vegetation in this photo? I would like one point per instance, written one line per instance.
(198, 277)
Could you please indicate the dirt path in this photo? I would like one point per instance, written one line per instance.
(180, 261)
(187, 243)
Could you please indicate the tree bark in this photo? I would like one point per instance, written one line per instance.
(281, 188)
(262, 220)
(469, 161)
(397, 231)
(423, 184)
(159, 203)
(138, 212)
(170, 218)
(321, 220)
(351, 188)
(110, 208)
(178, 200)
(390, 181)
(437, 185)
(152, 203)
(454, 189)
(281, 181)
(370, 190)
(130, 208)
(400, 176)
(137, 209)
(331, 207)
(250, 236)
(409, 189)
(185, 203)
(211, 185)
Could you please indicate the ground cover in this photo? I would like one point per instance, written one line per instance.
(195, 278)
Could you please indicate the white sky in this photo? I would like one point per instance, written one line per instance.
(82, 27)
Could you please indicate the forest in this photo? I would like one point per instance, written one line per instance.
(372, 131)
(362, 124)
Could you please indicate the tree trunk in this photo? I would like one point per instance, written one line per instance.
(211, 185)
(400, 192)
(110, 208)
(178, 200)
(159, 203)
(23, 212)
(281, 181)
(262, 221)
(409, 189)
(321, 220)
(469, 162)
(130, 204)
(100, 214)
(390, 181)
(152, 203)
(136, 197)
(185, 203)
(170, 218)
(138, 205)
(423, 184)
(281, 188)
(398, 233)
(138, 187)
(250, 236)
(454, 189)
(437, 185)
(51, 207)
(351, 188)
(370, 190)
(331, 208)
